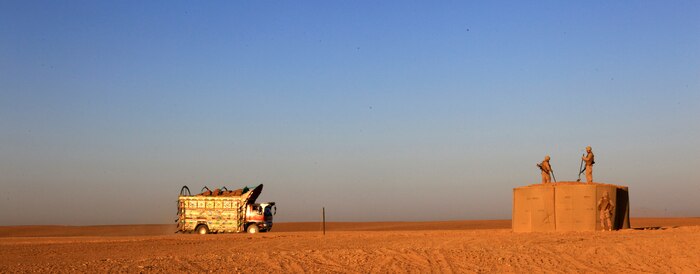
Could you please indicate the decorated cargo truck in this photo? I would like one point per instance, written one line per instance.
(223, 210)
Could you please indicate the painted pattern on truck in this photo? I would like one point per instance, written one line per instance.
(220, 214)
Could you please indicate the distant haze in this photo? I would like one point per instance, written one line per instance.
(396, 111)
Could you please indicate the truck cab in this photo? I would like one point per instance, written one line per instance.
(259, 217)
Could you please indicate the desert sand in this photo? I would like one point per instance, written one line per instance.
(653, 245)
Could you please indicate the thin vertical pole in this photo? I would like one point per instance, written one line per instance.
(323, 217)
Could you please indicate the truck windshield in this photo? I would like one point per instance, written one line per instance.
(268, 211)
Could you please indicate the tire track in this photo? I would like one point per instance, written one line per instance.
(567, 259)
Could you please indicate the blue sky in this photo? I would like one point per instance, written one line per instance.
(376, 110)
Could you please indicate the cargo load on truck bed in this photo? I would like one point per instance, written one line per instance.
(224, 210)
(222, 191)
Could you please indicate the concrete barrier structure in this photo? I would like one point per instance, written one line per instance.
(567, 206)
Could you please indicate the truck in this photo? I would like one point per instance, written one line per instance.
(223, 211)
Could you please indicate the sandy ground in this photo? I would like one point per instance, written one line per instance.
(656, 245)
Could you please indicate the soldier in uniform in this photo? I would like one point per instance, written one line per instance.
(588, 159)
(546, 169)
(606, 207)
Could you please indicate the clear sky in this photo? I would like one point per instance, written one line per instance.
(377, 110)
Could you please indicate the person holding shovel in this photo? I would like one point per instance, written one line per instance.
(546, 169)
(588, 159)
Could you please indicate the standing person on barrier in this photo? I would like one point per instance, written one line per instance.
(588, 159)
(546, 169)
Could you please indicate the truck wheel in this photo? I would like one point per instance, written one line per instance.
(253, 228)
(202, 229)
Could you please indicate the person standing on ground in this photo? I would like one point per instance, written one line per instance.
(606, 207)
(546, 169)
(588, 159)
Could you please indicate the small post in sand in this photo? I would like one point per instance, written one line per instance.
(323, 219)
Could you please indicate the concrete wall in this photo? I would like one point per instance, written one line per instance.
(566, 206)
